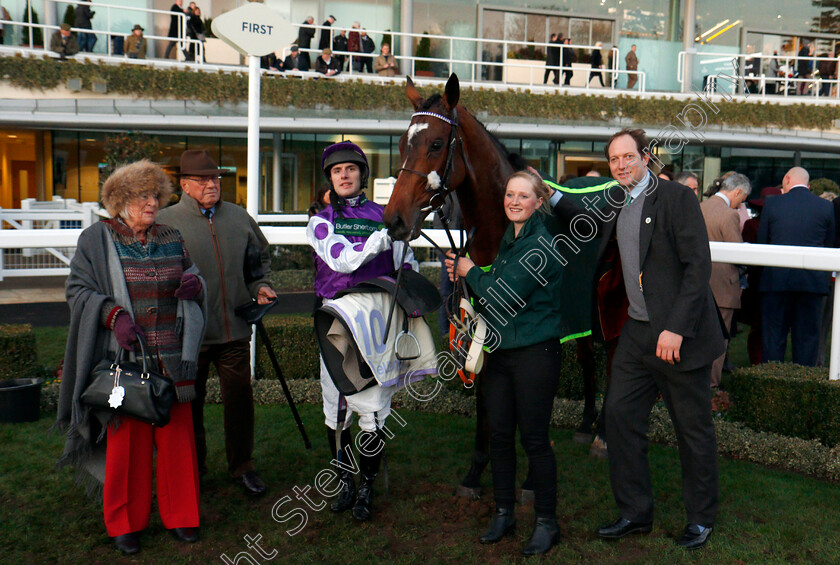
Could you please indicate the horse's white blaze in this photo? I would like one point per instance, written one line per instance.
(414, 129)
(434, 180)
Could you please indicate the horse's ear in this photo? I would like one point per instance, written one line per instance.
(411, 92)
(453, 91)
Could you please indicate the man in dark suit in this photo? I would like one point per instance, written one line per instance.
(326, 34)
(791, 299)
(295, 61)
(655, 260)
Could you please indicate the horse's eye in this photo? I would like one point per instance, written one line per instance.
(436, 145)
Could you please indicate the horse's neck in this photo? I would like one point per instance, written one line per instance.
(481, 194)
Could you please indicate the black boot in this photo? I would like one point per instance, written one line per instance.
(546, 535)
(347, 494)
(369, 465)
(502, 524)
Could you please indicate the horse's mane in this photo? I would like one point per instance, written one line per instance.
(515, 159)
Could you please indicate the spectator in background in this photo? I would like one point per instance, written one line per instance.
(296, 61)
(195, 30)
(791, 299)
(340, 44)
(804, 67)
(174, 26)
(83, 17)
(723, 224)
(632, 63)
(828, 72)
(326, 64)
(135, 44)
(596, 62)
(386, 65)
(322, 200)
(592, 173)
(304, 40)
(63, 42)
(326, 34)
(751, 297)
(368, 46)
(271, 62)
(690, 180)
(771, 72)
(552, 60)
(354, 45)
(568, 57)
(666, 174)
(190, 9)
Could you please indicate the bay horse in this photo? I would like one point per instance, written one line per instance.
(446, 148)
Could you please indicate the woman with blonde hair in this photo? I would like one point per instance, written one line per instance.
(522, 372)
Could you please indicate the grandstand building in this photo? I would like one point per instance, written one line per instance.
(749, 59)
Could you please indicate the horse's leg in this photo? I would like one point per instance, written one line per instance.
(599, 444)
(586, 360)
(471, 484)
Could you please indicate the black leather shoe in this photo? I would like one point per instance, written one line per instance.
(186, 535)
(693, 538)
(502, 524)
(546, 535)
(623, 527)
(252, 483)
(128, 543)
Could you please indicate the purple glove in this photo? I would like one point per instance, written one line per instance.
(190, 287)
(126, 331)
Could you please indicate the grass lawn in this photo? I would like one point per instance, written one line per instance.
(766, 516)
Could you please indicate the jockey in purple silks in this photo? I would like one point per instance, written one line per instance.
(352, 245)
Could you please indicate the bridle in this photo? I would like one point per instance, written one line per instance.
(439, 194)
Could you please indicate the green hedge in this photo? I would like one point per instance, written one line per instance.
(786, 399)
(18, 353)
(46, 73)
(294, 344)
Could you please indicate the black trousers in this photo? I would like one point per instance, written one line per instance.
(520, 385)
(637, 377)
(798, 313)
(548, 72)
(567, 77)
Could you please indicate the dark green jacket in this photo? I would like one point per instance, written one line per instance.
(526, 299)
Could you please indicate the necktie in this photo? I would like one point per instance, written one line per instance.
(208, 213)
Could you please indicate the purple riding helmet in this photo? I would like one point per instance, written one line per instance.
(345, 152)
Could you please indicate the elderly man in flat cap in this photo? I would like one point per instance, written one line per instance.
(64, 42)
(219, 236)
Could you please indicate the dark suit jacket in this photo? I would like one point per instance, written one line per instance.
(302, 63)
(796, 218)
(676, 268)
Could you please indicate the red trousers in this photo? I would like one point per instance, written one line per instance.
(127, 498)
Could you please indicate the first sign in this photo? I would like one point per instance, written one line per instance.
(254, 29)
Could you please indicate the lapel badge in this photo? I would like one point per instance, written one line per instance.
(647, 220)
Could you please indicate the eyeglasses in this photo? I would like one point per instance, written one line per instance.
(212, 179)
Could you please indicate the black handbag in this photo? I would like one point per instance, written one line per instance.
(131, 389)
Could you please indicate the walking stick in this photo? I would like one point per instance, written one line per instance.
(253, 314)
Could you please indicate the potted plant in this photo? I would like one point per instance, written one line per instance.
(423, 68)
(36, 33)
(20, 388)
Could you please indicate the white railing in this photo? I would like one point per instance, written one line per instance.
(784, 84)
(34, 216)
(27, 29)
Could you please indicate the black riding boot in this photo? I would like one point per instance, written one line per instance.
(369, 465)
(347, 494)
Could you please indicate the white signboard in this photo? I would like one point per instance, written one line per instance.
(382, 189)
(254, 29)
